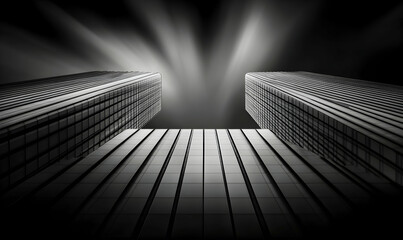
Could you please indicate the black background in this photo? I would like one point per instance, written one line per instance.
(335, 41)
(320, 47)
(356, 39)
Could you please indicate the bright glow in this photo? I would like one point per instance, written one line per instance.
(199, 83)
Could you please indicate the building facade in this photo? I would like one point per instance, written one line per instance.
(64, 118)
(346, 120)
(195, 184)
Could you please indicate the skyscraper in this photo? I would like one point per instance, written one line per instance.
(65, 118)
(193, 184)
(350, 121)
(69, 165)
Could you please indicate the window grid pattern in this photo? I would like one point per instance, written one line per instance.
(200, 183)
(75, 130)
(323, 132)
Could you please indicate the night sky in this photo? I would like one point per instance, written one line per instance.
(202, 51)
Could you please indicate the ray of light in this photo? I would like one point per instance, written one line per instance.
(199, 83)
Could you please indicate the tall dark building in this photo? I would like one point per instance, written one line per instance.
(350, 121)
(194, 184)
(65, 118)
(71, 170)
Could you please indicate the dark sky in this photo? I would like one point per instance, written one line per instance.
(363, 41)
(332, 33)
(336, 40)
